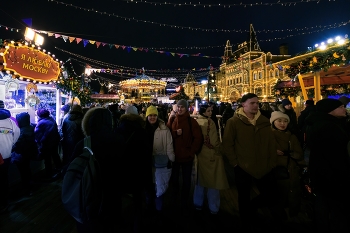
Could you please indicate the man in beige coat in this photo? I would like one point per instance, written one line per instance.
(249, 146)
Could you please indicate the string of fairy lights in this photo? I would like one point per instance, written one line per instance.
(124, 72)
(92, 10)
(241, 4)
(302, 31)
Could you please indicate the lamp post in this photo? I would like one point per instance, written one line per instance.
(210, 75)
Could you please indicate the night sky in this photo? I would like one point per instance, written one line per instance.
(199, 29)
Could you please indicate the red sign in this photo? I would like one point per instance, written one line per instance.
(31, 63)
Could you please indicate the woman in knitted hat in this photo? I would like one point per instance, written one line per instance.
(289, 190)
(163, 155)
(211, 176)
(287, 108)
(329, 166)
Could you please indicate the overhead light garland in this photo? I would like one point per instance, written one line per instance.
(92, 10)
(241, 4)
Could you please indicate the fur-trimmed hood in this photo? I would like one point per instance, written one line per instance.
(97, 119)
(133, 118)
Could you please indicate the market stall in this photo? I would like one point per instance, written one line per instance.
(27, 79)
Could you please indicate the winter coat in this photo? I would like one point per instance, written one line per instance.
(9, 133)
(252, 147)
(189, 142)
(162, 144)
(329, 163)
(98, 124)
(25, 145)
(210, 168)
(46, 135)
(227, 114)
(72, 133)
(136, 155)
(301, 121)
(289, 189)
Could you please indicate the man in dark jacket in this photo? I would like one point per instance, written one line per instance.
(250, 148)
(72, 133)
(25, 148)
(329, 166)
(98, 125)
(48, 138)
(309, 107)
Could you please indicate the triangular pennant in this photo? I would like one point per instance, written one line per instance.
(98, 44)
(135, 49)
(103, 44)
(181, 55)
(78, 40)
(167, 53)
(173, 54)
(65, 38)
(116, 46)
(85, 42)
(92, 41)
(57, 36)
(140, 49)
(110, 46)
(71, 39)
(128, 49)
(123, 47)
(50, 34)
(146, 50)
(28, 21)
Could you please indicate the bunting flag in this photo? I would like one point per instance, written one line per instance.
(85, 42)
(28, 22)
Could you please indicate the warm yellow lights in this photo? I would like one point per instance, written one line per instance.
(38, 39)
(29, 34)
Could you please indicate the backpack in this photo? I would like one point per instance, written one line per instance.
(82, 193)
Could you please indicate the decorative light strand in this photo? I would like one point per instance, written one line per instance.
(10, 28)
(199, 4)
(195, 28)
(111, 66)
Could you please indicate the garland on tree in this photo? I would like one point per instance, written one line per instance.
(72, 84)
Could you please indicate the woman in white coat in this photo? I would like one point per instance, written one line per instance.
(163, 154)
(211, 175)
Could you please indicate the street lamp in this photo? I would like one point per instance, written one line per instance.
(210, 76)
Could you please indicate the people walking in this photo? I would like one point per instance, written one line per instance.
(48, 138)
(98, 125)
(72, 133)
(24, 148)
(211, 176)
(289, 155)
(9, 134)
(250, 147)
(162, 151)
(188, 140)
(329, 166)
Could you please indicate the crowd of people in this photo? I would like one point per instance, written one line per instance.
(161, 145)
